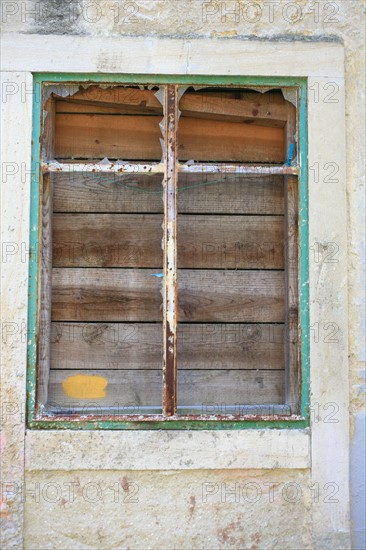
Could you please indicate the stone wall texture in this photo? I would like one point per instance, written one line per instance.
(194, 508)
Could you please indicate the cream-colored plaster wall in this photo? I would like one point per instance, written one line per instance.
(175, 509)
(189, 508)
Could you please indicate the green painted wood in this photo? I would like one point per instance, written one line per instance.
(304, 314)
(168, 425)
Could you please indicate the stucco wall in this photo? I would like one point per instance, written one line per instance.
(191, 509)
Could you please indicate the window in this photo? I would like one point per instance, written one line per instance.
(169, 266)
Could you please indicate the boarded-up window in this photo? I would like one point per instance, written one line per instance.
(169, 265)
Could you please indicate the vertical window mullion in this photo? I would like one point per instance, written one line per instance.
(170, 250)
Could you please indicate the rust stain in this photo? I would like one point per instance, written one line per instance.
(229, 418)
(255, 538)
(225, 535)
(85, 386)
(124, 484)
(192, 505)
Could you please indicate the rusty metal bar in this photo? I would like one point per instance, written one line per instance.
(250, 411)
(114, 167)
(155, 168)
(50, 415)
(170, 250)
(245, 169)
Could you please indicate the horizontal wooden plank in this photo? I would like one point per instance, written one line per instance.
(230, 242)
(198, 193)
(135, 240)
(87, 294)
(138, 137)
(235, 105)
(98, 136)
(130, 388)
(203, 389)
(118, 97)
(231, 296)
(96, 294)
(96, 109)
(269, 109)
(221, 141)
(141, 388)
(230, 346)
(107, 240)
(88, 192)
(80, 346)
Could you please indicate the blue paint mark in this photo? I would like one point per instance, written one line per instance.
(290, 154)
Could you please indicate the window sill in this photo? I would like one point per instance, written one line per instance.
(167, 450)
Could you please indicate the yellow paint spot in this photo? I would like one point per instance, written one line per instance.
(85, 386)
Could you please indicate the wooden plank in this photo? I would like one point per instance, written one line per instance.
(198, 193)
(45, 291)
(292, 341)
(108, 192)
(231, 296)
(96, 294)
(143, 388)
(138, 137)
(107, 240)
(267, 109)
(81, 346)
(116, 97)
(77, 107)
(230, 194)
(230, 242)
(230, 346)
(212, 140)
(230, 104)
(134, 240)
(227, 346)
(205, 389)
(132, 388)
(99, 136)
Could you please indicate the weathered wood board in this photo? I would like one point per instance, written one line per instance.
(144, 387)
(231, 296)
(232, 105)
(93, 294)
(107, 317)
(121, 346)
(96, 294)
(135, 240)
(197, 193)
(130, 137)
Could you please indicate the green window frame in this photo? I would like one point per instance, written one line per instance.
(34, 417)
